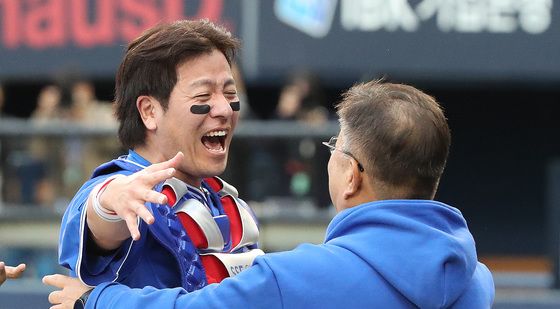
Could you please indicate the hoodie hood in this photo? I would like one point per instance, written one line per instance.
(422, 248)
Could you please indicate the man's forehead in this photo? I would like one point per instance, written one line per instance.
(203, 82)
(211, 82)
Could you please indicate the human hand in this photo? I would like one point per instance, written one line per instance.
(70, 290)
(127, 195)
(9, 272)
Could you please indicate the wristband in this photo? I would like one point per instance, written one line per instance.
(102, 212)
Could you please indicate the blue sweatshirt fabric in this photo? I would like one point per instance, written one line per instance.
(386, 254)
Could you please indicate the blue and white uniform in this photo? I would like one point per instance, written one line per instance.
(165, 256)
(385, 254)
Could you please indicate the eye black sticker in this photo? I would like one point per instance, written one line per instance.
(200, 109)
(235, 106)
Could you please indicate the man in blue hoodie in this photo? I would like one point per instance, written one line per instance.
(390, 245)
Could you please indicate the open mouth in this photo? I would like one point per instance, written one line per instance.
(215, 140)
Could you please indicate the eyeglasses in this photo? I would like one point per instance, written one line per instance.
(331, 145)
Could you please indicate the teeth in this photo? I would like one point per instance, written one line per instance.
(217, 133)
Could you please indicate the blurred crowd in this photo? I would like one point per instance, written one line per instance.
(296, 163)
(46, 170)
(42, 170)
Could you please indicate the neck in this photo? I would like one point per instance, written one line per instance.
(359, 199)
(193, 181)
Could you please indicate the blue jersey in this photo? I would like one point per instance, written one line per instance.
(165, 255)
(385, 254)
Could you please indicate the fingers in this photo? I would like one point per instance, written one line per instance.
(132, 224)
(70, 289)
(154, 197)
(155, 177)
(177, 159)
(55, 297)
(171, 163)
(15, 272)
(141, 211)
(2, 272)
(58, 300)
(56, 280)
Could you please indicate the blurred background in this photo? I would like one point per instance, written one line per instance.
(492, 64)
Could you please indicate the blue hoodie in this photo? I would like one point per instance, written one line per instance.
(386, 254)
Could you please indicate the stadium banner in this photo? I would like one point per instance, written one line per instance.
(339, 39)
(42, 38)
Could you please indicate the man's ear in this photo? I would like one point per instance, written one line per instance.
(148, 107)
(354, 179)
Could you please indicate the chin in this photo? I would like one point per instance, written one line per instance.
(215, 169)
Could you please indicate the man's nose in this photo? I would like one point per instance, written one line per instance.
(221, 108)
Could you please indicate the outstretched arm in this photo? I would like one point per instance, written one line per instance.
(9, 272)
(255, 287)
(125, 197)
(70, 289)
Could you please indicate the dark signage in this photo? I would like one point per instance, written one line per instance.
(45, 37)
(426, 39)
(339, 39)
(85, 24)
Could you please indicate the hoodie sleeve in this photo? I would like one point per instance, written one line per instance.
(255, 287)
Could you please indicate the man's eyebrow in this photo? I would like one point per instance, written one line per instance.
(201, 82)
(209, 82)
(229, 81)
